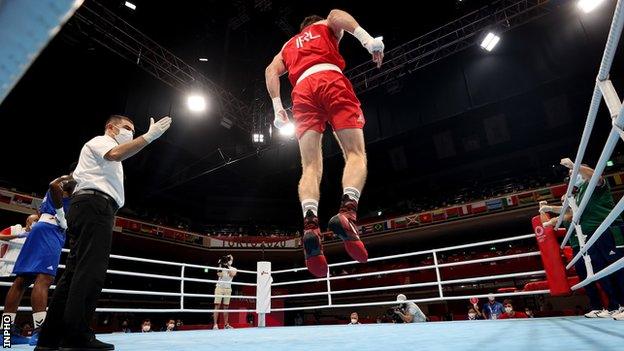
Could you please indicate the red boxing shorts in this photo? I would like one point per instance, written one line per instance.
(323, 97)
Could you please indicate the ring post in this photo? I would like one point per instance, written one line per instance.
(263, 291)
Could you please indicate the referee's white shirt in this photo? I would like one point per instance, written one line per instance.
(96, 172)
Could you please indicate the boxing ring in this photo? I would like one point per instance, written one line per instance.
(570, 333)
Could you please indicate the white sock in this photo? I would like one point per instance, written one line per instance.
(309, 204)
(38, 318)
(11, 317)
(352, 193)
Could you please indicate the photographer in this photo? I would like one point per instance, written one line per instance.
(408, 311)
(223, 290)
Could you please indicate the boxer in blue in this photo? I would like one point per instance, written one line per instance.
(39, 257)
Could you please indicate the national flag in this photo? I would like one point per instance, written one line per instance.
(510, 201)
(494, 204)
(5, 198)
(425, 217)
(615, 179)
(465, 210)
(559, 190)
(169, 233)
(400, 222)
(380, 226)
(21, 200)
(148, 229)
(526, 198)
(452, 212)
(479, 207)
(36, 203)
(368, 228)
(412, 220)
(439, 215)
(543, 194)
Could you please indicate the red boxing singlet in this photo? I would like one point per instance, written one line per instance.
(314, 45)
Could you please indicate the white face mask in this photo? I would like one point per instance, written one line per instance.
(146, 328)
(508, 309)
(124, 136)
(353, 321)
(171, 326)
(579, 181)
(472, 315)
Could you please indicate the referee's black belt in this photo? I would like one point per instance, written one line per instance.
(97, 193)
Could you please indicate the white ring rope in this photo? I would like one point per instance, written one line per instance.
(417, 253)
(603, 89)
(329, 293)
(411, 269)
(417, 285)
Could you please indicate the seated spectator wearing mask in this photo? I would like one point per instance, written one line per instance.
(492, 309)
(474, 313)
(124, 327)
(146, 327)
(510, 313)
(409, 311)
(170, 326)
(529, 312)
(354, 319)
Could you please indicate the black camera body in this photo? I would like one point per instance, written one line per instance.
(393, 316)
(224, 262)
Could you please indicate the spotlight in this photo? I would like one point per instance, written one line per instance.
(490, 41)
(589, 5)
(379, 213)
(258, 138)
(288, 130)
(196, 103)
(203, 59)
(130, 5)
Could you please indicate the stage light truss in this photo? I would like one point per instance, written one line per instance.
(109, 30)
(446, 40)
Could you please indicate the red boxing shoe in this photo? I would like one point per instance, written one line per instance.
(343, 225)
(312, 246)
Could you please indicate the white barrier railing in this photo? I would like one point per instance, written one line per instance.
(603, 89)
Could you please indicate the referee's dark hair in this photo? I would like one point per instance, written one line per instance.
(117, 118)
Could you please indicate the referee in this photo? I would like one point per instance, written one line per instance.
(98, 195)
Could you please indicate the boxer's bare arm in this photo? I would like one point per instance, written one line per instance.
(272, 75)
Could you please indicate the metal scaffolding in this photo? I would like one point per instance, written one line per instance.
(446, 40)
(109, 30)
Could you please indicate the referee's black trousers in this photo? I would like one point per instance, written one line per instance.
(90, 227)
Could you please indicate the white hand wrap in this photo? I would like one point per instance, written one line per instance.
(371, 44)
(60, 218)
(278, 122)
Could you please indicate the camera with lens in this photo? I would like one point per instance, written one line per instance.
(226, 261)
(392, 315)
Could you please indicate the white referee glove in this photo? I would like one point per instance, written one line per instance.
(157, 129)
(281, 117)
(60, 218)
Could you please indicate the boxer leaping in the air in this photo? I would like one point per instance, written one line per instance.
(322, 94)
